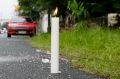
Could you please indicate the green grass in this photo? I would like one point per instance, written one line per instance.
(41, 41)
(95, 50)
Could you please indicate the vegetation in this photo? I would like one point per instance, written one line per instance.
(34, 7)
(78, 10)
(75, 7)
(95, 50)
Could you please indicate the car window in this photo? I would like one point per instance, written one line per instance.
(28, 19)
(21, 19)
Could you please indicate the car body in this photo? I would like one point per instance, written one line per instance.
(21, 25)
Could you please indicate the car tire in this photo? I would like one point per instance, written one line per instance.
(34, 31)
(8, 35)
(31, 35)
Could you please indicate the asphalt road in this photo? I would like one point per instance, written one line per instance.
(18, 60)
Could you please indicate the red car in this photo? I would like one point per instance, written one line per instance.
(21, 25)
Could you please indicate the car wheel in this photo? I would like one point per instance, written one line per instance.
(8, 35)
(31, 35)
(34, 31)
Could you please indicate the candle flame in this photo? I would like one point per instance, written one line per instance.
(55, 12)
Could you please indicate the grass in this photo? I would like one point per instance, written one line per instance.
(41, 41)
(95, 50)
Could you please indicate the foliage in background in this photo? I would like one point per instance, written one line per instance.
(78, 10)
(77, 7)
(101, 7)
(33, 7)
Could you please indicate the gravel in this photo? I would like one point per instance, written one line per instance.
(18, 60)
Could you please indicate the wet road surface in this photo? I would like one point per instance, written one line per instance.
(18, 60)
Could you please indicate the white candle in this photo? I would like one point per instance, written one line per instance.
(55, 45)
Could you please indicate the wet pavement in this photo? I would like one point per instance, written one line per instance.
(18, 60)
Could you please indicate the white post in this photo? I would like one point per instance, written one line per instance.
(55, 45)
